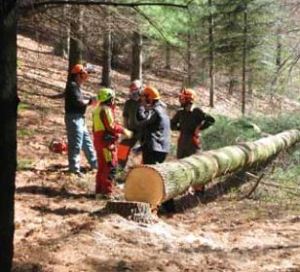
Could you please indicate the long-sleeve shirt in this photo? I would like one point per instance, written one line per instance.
(187, 122)
(75, 101)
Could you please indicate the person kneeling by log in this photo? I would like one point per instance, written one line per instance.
(106, 133)
(190, 120)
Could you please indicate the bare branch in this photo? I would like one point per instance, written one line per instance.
(34, 5)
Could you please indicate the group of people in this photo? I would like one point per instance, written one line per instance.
(145, 120)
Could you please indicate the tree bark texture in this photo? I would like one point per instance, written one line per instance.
(75, 47)
(244, 83)
(168, 56)
(155, 184)
(137, 60)
(106, 59)
(8, 117)
(211, 56)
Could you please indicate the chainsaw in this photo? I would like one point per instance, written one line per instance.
(58, 146)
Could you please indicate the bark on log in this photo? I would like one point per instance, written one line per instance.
(155, 184)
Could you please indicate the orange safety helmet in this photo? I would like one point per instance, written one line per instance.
(187, 96)
(79, 69)
(151, 93)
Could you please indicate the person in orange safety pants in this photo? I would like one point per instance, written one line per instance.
(190, 120)
(106, 133)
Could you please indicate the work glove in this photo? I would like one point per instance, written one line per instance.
(128, 134)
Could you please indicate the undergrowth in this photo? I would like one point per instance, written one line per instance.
(283, 181)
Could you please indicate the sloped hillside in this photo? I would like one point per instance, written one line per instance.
(60, 227)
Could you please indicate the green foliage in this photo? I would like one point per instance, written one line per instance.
(226, 131)
(285, 177)
(165, 23)
(279, 123)
(23, 106)
(229, 132)
(24, 164)
(23, 132)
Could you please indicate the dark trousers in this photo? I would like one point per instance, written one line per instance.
(153, 157)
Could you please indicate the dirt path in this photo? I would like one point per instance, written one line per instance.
(59, 226)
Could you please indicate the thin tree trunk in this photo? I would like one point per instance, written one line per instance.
(250, 82)
(155, 184)
(232, 80)
(75, 52)
(211, 56)
(278, 61)
(137, 59)
(244, 83)
(189, 59)
(168, 56)
(106, 59)
(65, 33)
(8, 117)
(62, 46)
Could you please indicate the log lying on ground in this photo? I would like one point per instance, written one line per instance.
(155, 184)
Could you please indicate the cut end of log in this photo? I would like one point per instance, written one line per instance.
(144, 184)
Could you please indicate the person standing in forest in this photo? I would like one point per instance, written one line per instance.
(130, 114)
(190, 120)
(155, 125)
(77, 132)
(106, 133)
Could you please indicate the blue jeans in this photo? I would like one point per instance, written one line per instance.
(79, 138)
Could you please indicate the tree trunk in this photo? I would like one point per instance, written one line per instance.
(155, 184)
(75, 53)
(106, 59)
(233, 82)
(62, 46)
(244, 83)
(211, 55)
(189, 59)
(168, 56)
(8, 117)
(137, 60)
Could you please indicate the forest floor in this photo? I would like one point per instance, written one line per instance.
(59, 228)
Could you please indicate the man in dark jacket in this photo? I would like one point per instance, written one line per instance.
(77, 132)
(130, 112)
(155, 127)
(190, 120)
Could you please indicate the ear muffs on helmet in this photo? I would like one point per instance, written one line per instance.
(187, 96)
(105, 94)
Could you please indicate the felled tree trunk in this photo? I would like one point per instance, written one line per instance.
(155, 184)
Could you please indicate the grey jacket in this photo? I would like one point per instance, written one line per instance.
(155, 126)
